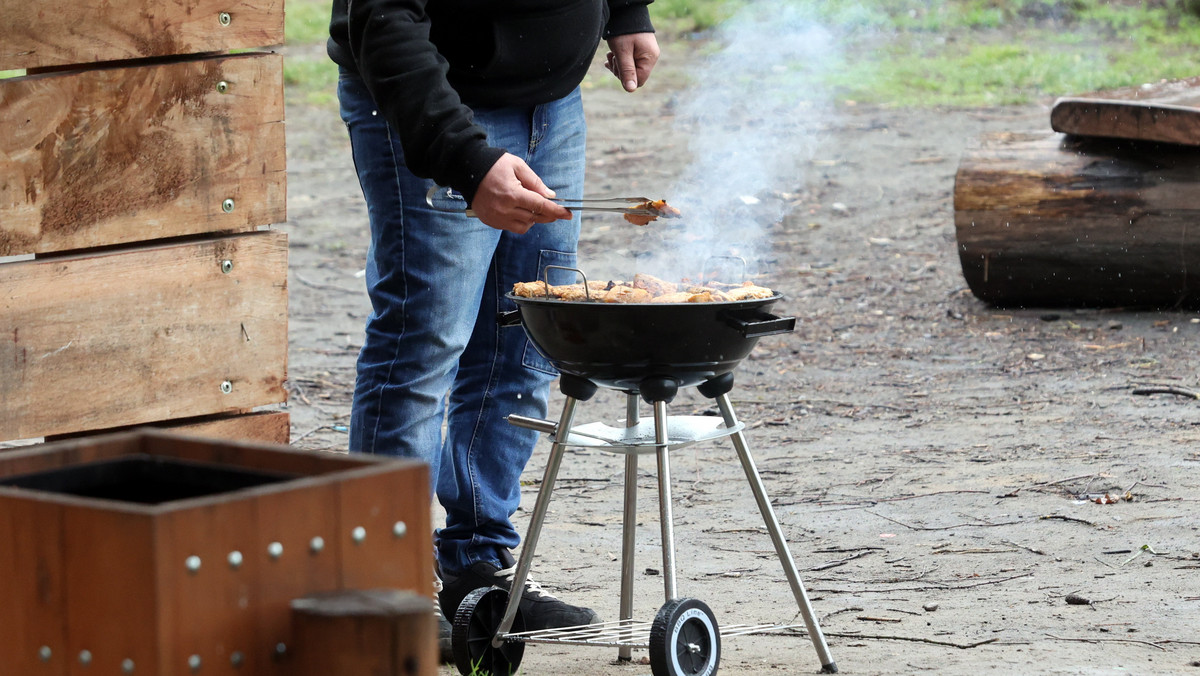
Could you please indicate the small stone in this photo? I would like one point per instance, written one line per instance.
(930, 607)
(1077, 600)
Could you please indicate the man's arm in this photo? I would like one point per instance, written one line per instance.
(407, 78)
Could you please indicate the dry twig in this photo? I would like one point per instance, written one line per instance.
(1166, 389)
(1107, 640)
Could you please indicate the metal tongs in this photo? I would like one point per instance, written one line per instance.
(449, 200)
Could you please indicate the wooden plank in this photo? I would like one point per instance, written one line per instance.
(119, 155)
(60, 32)
(270, 427)
(292, 519)
(111, 603)
(132, 336)
(210, 611)
(1167, 111)
(32, 595)
(375, 500)
(254, 455)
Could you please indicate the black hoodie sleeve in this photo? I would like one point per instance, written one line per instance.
(628, 16)
(389, 42)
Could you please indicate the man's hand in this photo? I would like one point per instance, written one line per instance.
(511, 197)
(632, 58)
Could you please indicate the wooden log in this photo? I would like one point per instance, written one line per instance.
(112, 156)
(1167, 111)
(125, 337)
(381, 632)
(1048, 220)
(59, 32)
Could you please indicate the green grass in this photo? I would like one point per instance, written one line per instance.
(308, 74)
(988, 52)
(906, 52)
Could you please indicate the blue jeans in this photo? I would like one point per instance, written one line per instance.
(433, 351)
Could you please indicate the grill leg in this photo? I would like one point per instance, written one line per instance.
(629, 527)
(525, 562)
(781, 549)
(666, 520)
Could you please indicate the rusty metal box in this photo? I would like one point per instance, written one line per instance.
(151, 553)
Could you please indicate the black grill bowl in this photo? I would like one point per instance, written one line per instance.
(618, 345)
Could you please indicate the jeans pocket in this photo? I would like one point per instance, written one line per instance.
(531, 357)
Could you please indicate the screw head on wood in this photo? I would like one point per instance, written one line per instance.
(275, 550)
(224, 18)
(85, 657)
(127, 666)
(226, 387)
(227, 205)
(192, 563)
(235, 559)
(222, 87)
(237, 658)
(316, 544)
(399, 529)
(227, 266)
(44, 653)
(194, 663)
(358, 535)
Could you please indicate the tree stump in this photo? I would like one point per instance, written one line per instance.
(1050, 220)
(379, 632)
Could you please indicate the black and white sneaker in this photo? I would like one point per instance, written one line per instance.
(445, 645)
(539, 608)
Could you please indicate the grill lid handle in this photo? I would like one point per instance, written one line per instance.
(756, 323)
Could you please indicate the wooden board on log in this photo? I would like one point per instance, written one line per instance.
(1167, 112)
(123, 337)
(1049, 220)
(112, 156)
(61, 32)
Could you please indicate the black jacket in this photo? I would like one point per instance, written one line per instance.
(426, 62)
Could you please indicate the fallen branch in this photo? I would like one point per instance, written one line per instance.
(884, 637)
(840, 562)
(960, 525)
(1059, 517)
(1028, 549)
(934, 587)
(1107, 640)
(1166, 389)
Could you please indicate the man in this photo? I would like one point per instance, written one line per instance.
(481, 96)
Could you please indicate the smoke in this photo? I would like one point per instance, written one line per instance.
(752, 118)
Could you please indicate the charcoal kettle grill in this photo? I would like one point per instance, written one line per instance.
(648, 351)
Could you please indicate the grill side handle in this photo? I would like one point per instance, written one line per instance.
(756, 323)
(508, 318)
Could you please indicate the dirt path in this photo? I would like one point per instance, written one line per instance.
(938, 465)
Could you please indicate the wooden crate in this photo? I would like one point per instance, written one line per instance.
(176, 581)
(136, 125)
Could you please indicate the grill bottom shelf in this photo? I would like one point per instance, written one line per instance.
(628, 633)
